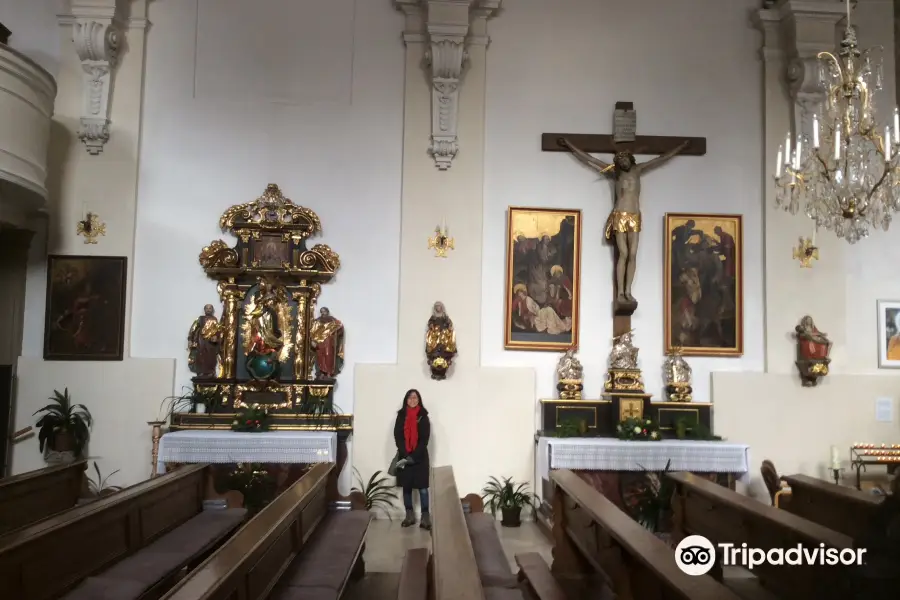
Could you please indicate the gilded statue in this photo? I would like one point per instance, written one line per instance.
(813, 348)
(266, 330)
(677, 376)
(327, 339)
(570, 376)
(203, 340)
(623, 354)
(440, 342)
(624, 222)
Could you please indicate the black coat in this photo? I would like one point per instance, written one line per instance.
(416, 475)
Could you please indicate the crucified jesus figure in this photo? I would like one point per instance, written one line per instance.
(624, 222)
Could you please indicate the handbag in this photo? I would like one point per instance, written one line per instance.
(392, 470)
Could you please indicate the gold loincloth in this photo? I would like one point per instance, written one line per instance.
(620, 221)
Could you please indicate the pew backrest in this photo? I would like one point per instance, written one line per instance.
(250, 563)
(725, 517)
(45, 559)
(638, 564)
(454, 570)
(843, 509)
(32, 496)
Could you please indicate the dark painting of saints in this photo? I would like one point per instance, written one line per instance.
(270, 251)
(543, 274)
(703, 285)
(85, 312)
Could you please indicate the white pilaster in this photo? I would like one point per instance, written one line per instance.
(97, 37)
(795, 31)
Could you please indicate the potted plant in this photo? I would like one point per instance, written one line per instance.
(508, 496)
(63, 426)
(652, 503)
(374, 495)
(98, 487)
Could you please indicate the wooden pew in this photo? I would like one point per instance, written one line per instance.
(32, 496)
(414, 575)
(47, 559)
(454, 572)
(843, 509)
(260, 559)
(722, 516)
(597, 544)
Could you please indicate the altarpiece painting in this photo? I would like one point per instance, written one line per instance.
(543, 276)
(889, 334)
(703, 284)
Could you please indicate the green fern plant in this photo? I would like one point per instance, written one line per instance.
(98, 486)
(378, 493)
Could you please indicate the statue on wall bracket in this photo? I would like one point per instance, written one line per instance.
(813, 348)
(272, 350)
(440, 342)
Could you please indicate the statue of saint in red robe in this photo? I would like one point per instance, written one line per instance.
(327, 336)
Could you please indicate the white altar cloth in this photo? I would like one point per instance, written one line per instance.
(610, 454)
(276, 447)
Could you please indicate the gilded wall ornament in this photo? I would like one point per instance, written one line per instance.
(91, 227)
(813, 348)
(441, 242)
(440, 342)
(806, 252)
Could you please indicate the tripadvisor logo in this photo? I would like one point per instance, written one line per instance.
(696, 555)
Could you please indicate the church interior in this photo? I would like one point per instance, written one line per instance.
(607, 308)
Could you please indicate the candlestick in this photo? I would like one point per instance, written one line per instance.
(887, 144)
(787, 149)
(835, 458)
(837, 144)
(778, 162)
(815, 132)
(797, 152)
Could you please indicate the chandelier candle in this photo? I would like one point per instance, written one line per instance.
(844, 173)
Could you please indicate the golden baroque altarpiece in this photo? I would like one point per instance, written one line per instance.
(271, 348)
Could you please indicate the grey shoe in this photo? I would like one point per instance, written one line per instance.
(410, 519)
(426, 521)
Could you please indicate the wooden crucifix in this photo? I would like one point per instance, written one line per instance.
(623, 227)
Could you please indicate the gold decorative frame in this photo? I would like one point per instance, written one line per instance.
(524, 220)
(704, 223)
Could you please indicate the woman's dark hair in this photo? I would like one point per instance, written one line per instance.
(406, 397)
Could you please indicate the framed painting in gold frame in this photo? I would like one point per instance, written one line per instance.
(543, 278)
(703, 284)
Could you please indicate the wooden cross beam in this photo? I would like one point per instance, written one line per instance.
(642, 144)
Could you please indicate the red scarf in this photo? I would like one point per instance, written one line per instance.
(411, 428)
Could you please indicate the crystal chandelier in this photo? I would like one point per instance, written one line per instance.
(847, 175)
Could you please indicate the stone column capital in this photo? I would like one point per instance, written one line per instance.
(447, 26)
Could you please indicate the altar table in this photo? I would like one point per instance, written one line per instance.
(603, 461)
(230, 447)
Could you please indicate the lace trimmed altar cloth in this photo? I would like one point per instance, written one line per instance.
(226, 447)
(609, 454)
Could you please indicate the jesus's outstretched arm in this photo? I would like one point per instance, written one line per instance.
(593, 162)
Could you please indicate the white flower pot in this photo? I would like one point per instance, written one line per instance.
(200, 408)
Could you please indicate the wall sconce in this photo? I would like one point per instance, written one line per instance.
(91, 227)
(806, 251)
(441, 241)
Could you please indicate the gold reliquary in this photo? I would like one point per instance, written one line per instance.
(272, 346)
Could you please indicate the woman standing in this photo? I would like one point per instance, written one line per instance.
(412, 430)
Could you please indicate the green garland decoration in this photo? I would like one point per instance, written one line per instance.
(634, 429)
(253, 419)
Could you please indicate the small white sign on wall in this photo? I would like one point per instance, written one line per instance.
(884, 410)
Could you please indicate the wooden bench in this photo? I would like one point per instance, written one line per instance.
(597, 545)
(48, 559)
(32, 496)
(414, 575)
(843, 509)
(292, 549)
(537, 579)
(725, 517)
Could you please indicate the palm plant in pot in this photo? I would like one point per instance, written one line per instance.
(509, 497)
(63, 426)
(377, 494)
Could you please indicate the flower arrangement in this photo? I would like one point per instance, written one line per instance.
(251, 419)
(633, 428)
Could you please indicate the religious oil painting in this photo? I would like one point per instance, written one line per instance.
(543, 264)
(703, 284)
(889, 334)
(269, 251)
(85, 312)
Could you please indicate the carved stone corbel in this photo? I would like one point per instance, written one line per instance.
(97, 40)
(445, 26)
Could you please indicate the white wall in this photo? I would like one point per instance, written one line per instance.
(692, 69)
(34, 30)
(238, 95)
